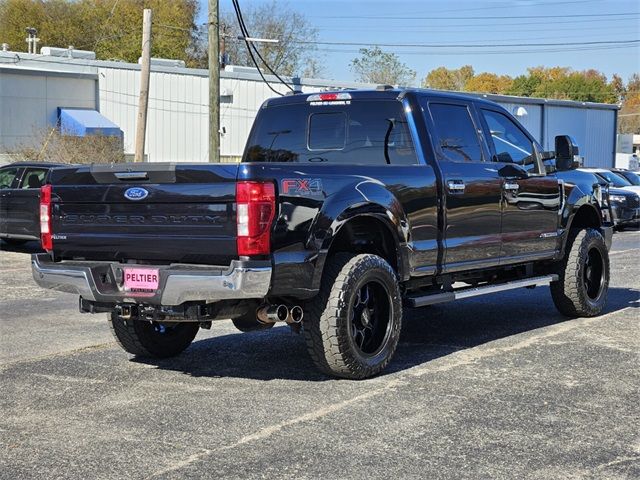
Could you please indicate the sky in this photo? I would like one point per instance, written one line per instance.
(566, 24)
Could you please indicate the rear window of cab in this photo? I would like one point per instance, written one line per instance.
(360, 132)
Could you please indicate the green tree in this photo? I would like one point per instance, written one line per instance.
(578, 86)
(376, 66)
(565, 83)
(524, 85)
(443, 78)
(113, 29)
(294, 54)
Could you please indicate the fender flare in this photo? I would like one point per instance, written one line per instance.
(364, 198)
(584, 202)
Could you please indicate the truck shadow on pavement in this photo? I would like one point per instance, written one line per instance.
(27, 247)
(428, 334)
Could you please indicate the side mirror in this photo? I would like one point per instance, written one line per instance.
(513, 170)
(567, 153)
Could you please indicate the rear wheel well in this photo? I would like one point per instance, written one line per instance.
(367, 235)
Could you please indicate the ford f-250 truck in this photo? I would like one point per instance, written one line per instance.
(347, 207)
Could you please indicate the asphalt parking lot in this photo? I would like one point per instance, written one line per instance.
(493, 387)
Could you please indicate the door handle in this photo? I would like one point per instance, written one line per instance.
(511, 186)
(455, 186)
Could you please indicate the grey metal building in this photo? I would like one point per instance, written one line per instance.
(33, 87)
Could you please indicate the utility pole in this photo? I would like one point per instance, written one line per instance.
(214, 83)
(145, 72)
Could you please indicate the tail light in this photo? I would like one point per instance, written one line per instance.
(45, 218)
(256, 202)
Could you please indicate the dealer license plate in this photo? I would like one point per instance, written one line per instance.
(144, 280)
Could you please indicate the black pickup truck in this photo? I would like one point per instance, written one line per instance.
(347, 207)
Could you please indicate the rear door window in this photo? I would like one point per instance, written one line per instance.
(456, 134)
(7, 177)
(362, 132)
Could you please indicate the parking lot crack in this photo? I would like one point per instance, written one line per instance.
(270, 430)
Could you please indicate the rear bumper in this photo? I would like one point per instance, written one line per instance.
(95, 281)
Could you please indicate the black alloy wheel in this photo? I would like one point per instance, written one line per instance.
(370, 318)
(593, 274)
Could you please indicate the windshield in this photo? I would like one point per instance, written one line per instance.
(632, 177)
(614, 179)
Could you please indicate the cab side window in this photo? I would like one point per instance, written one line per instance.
(33, 178)
(456, 133)
(509, 141)
(7, 176)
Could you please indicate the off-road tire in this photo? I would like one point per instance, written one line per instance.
(144, 339)
(327, 321)
(570, 292)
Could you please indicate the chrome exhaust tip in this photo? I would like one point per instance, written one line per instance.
(295, 314)
(272, 313)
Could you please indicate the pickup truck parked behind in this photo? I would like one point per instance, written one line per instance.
(20, 184)
(347, 207)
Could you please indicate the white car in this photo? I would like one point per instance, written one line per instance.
(614, 179)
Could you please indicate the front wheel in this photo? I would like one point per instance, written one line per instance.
(581, 290)
(152, 339)
(352, 326)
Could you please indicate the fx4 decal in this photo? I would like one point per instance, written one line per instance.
(301, 186)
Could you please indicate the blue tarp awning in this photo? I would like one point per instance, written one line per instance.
(84, 122)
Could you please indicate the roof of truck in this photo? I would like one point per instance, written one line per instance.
(380, 93)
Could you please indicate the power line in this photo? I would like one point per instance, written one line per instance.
(519, 5)
(250, 46)
(518, 27)
(503, 24)
(492, 17)
(242, 27)
(246, 31)
(486, 52)
(467, 45)
(173, 27)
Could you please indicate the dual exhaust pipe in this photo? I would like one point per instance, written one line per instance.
(279, 313)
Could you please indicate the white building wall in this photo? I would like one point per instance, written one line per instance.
(178, 117)
(592, 129)
(600, 138)
(29, 102)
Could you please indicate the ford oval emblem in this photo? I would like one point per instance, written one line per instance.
(136, 193)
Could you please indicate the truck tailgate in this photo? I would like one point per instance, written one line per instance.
(169, 213)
